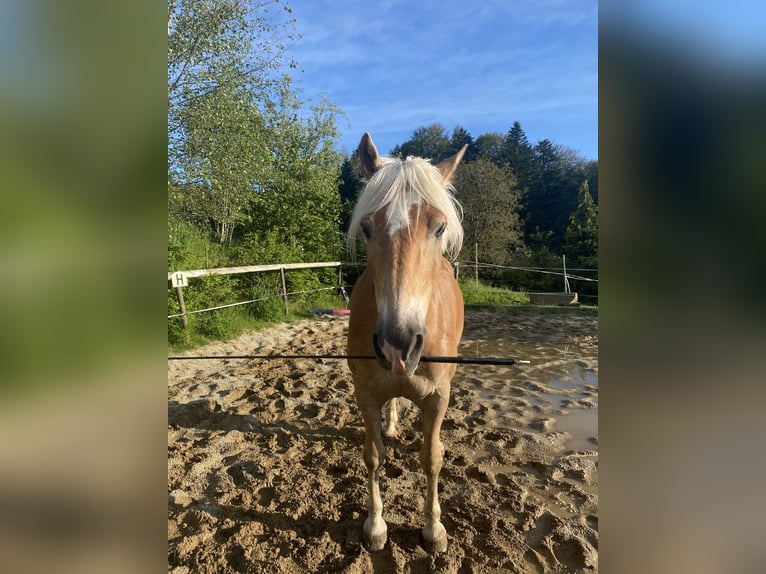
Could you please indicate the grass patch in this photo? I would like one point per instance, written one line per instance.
(480, 294)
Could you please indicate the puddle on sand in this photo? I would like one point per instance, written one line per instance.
(582, 424)
(569, 376)
(579, 378)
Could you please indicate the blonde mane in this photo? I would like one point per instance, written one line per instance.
(400, 184)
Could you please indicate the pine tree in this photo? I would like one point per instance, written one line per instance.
(581, 239)
(519, 154)
(460, 137)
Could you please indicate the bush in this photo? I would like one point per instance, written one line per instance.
(271, 309)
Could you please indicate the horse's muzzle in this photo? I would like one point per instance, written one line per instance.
(399, 355)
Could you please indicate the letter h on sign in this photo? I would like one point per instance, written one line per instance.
(179, 280)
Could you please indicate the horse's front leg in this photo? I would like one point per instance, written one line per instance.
(431, 459)
(375, 529)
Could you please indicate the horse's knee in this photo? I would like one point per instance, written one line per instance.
(373, 448)
(432, 459)
(371, 458)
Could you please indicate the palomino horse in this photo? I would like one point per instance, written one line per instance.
(406, 303)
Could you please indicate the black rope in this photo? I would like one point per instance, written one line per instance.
(456, 360)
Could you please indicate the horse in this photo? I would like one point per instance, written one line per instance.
(406, 304)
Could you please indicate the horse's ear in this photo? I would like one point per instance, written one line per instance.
(368, 156)
(449, 165)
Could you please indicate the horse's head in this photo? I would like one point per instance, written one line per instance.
(409, 219)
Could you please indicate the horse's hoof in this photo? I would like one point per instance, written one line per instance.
(375, 543)
(375, 534)
(435, 538)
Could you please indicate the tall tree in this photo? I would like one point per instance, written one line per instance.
(299, 199)
(581, 239)
(490, 199)
(223, 59)
(489, 146)
(519, 154)
(224, 138)
(244, 150)
(461, 137)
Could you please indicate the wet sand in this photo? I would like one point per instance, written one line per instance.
(265, 470)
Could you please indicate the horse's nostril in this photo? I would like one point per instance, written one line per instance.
(415, 346)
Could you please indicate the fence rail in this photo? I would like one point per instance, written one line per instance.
(180, 278)
(252, 269)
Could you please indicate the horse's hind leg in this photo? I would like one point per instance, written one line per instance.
(390, 417)
(431, 459)
(375, 529)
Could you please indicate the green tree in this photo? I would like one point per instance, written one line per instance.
(489, 146)
(581, 240)
(429, 142)
(519, 154)
(299, 199)
(224, 140)
(490, 199)
(222, 64)
(461, 137)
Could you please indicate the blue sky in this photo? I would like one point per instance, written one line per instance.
(393, 66)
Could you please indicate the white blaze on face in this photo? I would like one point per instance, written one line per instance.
(396, 220)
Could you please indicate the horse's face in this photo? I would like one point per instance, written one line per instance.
(404, 250)
(404, 259)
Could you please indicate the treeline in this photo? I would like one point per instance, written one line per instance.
(254, 175)
(524, 205)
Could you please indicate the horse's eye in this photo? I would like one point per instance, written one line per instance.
(366, 228)
(440, 230)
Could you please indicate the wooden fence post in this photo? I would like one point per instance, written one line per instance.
(179, 281)
(284, 287)
(179, 291)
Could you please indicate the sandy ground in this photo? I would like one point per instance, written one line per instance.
(265, 470)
